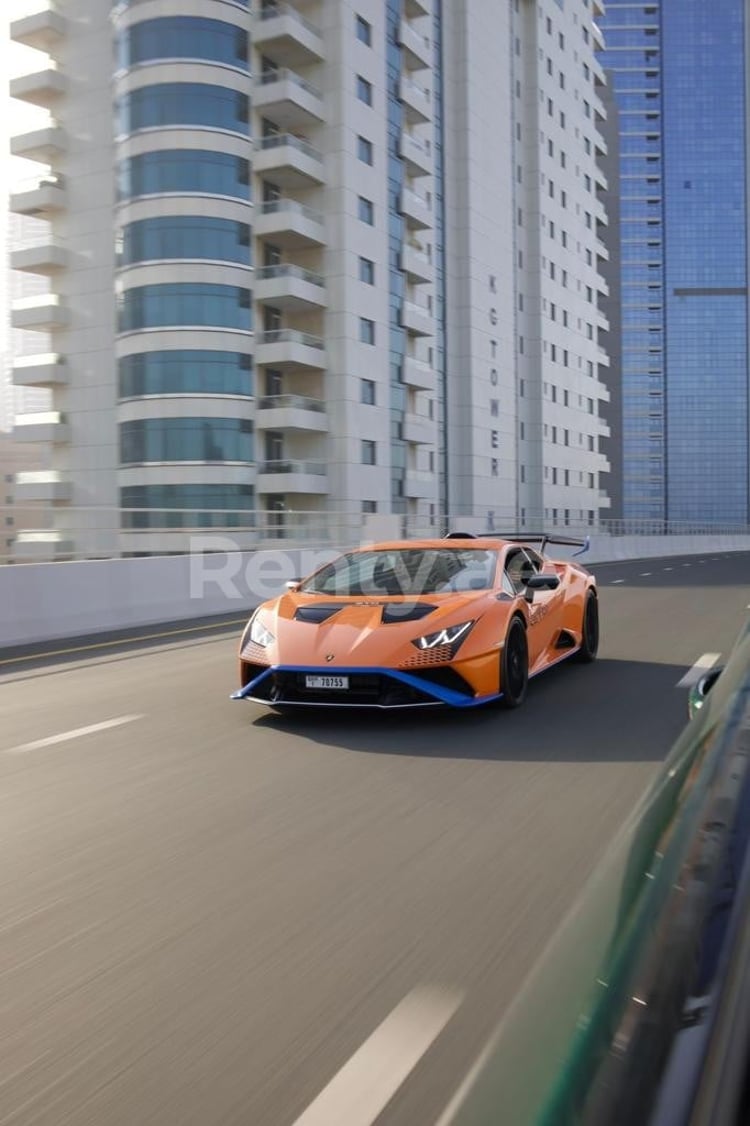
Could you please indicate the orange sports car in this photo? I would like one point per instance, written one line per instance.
(461, 621)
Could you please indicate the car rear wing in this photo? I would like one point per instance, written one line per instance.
(540, 538)
(543, 538)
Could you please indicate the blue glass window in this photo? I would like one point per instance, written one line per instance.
(204, 506)
(185, 372)
(183, 37)
(183, 103)
(183, 170)
(366, 210)
(184, 303)
(185, 236)
(185, 439)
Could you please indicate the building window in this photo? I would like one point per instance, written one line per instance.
(363, 30)
(182, 371)
(367, 392)
(182, 103)
(206, 506)
(184, 303)
(366, 210)
(364, 150)
(369, 506)
(183, 170)
(366, 331)
(186, 439)
(368, 452)
(367, 271)
(183, 37)
(185, 237)
(364, 90)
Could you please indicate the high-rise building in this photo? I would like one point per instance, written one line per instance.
(678, 72)
(314, 258)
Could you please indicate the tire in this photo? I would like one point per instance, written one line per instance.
(589, 630)
(514, 666)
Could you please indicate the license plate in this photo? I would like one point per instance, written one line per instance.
(327, 682)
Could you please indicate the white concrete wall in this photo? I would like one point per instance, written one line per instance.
(49, 601)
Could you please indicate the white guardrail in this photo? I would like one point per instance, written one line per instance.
(48, 601)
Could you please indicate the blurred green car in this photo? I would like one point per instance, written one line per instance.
(640, 1013)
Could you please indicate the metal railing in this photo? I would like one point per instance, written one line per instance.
(284, 74)
(280, 8)
(313, 468)
(275, 206)
(277, 140)
(55, 529)
(289, 270)
(290, 336)
(300, 402)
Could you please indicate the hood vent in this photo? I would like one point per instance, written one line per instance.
(393, 612)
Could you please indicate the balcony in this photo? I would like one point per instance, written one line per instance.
(417, 49)
(288, 98)
(42, 88)
(416, 210)
(42, 485)
(292, 161)
(292, 477)
(282, 28)
(290, 287)
(601, 180)
(286, 348)
(416, 101)
(415, 264)
(41, 426)
(418, 430)
(46, 258)
(40, 197)
(416, 155)
(42, 30)
(602, 251)
(40, 546)
(603, 357)
(418, 374)
(417, 319)
(601, 286)
(416, 8)
(43, 145)
(597, 36)
(290, 223)
(40, 314)
(44, 370)
(419, 485)
(291, 412)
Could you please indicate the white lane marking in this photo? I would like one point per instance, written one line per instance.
(687, 564)
(615, 581)
(666, 568)
(693, 675)
(644, 574)
(76, 733)
(368, 1081)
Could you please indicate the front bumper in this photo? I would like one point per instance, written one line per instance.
(284, 685)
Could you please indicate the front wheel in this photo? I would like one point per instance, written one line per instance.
(589, 630)
(514, 666)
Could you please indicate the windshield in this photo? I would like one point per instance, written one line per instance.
(405, 571)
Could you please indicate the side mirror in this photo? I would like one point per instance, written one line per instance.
(700, 691)
(540, 582)
(293, 584)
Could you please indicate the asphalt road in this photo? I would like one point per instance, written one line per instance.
(212, 916)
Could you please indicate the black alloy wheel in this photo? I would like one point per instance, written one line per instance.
(589, 630)
(514, 666)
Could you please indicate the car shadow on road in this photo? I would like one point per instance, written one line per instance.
(611, 711)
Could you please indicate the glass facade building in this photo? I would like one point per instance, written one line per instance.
(678, 71)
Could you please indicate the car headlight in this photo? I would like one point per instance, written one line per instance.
(450, 635)
(259, 635)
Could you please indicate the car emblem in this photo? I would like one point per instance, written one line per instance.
(330, 656)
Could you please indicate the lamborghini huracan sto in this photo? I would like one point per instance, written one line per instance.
(461, 621)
